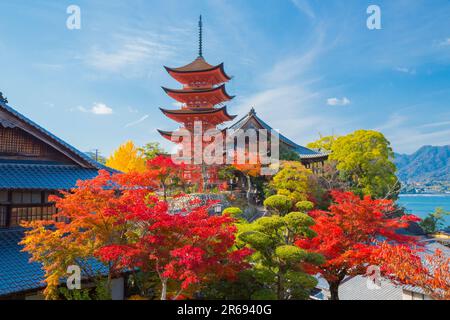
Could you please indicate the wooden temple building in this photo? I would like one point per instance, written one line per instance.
(34, 163)
(311, 159)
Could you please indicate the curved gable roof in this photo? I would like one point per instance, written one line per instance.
(47, 137)
(302, 151)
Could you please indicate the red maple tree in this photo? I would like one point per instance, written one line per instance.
(348, 233)
(83, 224)
(119, 219)
(186, 250)
(166, 172)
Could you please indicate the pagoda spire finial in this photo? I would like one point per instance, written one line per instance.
(200, 37)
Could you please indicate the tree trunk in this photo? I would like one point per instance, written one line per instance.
(280, 289)
(109, 280)
(164, 192)
(334, 290)
(164, 289)
(249, 187)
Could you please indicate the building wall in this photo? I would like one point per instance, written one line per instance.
(16, 144)
(409, 295)
(118, 289)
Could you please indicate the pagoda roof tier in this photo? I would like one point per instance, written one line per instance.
(198, 64)
(166, 134)
(200, 97)
(199, 72)
(209, 115)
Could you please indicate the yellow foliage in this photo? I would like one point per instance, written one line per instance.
(127, 158)
(292, 181)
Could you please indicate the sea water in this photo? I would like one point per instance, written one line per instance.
(423, 204)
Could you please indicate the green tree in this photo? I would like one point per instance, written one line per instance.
(234, 212)
(304, 206)
(245, 287)
(325, 143)
(364, 161)
(293, 181)
(287, 154)
(321, 184)
(435, 221)
(227, 173)
(278, 204)
(277, 263)
(151, 150)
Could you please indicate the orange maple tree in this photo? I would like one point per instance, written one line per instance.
(82, 225)
(119, 220)
(249, 166)
(408, 265)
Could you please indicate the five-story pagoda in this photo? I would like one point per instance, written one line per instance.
(202, 100)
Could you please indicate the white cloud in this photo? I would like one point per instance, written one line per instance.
(290, 96)
(304, 7)
(406, 70)
(296, 117)
(132, 110)
(445, 42)
(98, 109)
(407, 137)
(131, 124)
(48, 66)
(292, 68)
(436, 124)
(394, 121)
(134, 52)
(338, 102)
(49, 104)
(130, 52)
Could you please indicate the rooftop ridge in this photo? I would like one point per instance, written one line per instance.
(61, 142)
(303, 151)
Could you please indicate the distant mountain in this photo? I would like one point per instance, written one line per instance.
(428, 164)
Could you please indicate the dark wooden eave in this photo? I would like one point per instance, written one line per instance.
(220, 88)
(200, 111)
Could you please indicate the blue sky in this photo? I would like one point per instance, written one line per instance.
(308, 67)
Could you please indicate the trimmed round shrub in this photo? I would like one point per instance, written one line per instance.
(304, 206)
(233, 211)
(279, 203)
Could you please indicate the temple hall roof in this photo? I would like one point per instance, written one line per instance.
(42, 175)
(305, 153)
(17, 273)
